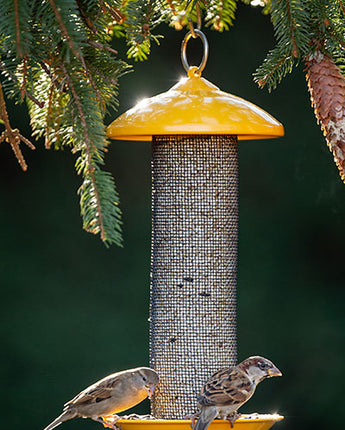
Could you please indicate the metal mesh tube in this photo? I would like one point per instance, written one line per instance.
(194, 265)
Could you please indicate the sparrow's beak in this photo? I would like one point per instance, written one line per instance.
(274, 371)
(150, 389)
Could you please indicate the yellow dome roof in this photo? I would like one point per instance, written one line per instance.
(194, 106)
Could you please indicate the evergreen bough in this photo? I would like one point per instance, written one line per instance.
(56, 55)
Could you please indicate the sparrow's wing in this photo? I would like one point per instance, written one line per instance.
(97, 392)
(229, 386)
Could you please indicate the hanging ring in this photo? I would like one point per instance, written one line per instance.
(185, 64)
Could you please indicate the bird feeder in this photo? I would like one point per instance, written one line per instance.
(194, 128)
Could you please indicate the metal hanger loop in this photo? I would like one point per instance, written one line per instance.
(197, 33)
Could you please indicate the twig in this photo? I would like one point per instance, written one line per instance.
(25, 69)
(48, 142)
(292, 28)
(115, 13)
(12, 136)
(98, 45)
(173, 10)
(63, 27)
(16, 14)
(54, 79)
(198, 14)
(86, 19)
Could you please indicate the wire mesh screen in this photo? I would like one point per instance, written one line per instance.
(194, 266)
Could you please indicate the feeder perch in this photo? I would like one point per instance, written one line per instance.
(194, 128)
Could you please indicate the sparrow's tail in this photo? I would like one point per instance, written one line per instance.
(66, 415)
(208, 414)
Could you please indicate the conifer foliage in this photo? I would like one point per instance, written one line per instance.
(312, 32)
(58, 57)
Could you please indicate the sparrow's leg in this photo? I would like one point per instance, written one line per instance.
(192, 417)
(232, 418)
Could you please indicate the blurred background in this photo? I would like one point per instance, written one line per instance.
(74, 311)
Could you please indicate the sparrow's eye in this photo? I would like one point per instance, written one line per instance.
(144, 379)
(263, 366)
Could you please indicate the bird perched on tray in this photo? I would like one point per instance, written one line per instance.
(112, 394)
(229, 388)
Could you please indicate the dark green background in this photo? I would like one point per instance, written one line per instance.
(73, 311)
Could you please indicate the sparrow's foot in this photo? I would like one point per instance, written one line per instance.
(109, 421)
(192, 417)
(232, 418)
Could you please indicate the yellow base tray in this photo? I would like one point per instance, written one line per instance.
(245, 422)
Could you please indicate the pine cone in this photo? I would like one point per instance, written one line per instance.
(327, 93)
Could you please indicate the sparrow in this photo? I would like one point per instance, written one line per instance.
(229, 388)
(112, 394)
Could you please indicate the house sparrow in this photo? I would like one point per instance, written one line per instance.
(112, 394)
(230, 388)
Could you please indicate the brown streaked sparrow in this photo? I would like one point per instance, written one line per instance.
(228, 389)
(114, 393)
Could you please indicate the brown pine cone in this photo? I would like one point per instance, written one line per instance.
(327, 93)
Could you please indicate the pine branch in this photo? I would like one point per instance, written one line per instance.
(220, 14)
(291, 26)
(277, 64)
(69, 64)
(141, 17)
(96, 206)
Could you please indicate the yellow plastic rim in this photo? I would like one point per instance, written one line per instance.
(245, 422)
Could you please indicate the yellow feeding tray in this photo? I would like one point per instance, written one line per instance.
(246, 422)
(194, 106)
